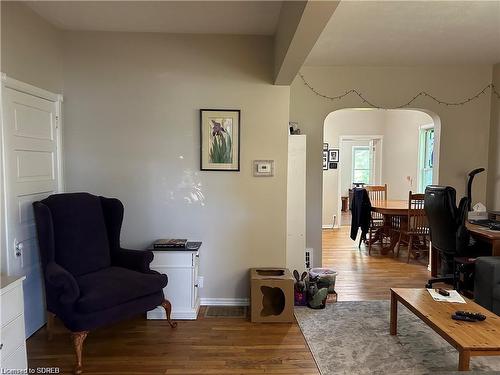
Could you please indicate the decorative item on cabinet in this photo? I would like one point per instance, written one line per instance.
(181, 265)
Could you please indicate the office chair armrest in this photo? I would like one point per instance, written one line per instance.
(487, 276)
(63, 282)
(137, 260)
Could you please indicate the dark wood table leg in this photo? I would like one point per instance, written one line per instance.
(394, 314)
(463, 360)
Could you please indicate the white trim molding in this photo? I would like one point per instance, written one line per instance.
(29, 89)
(159, 314)
(225, 302)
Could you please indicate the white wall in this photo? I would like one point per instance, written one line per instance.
(31, 47)
(132, 132)
(493, 201)
(462, 128)
(400, 154)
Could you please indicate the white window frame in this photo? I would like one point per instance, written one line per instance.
(370, 170)
(421, 156)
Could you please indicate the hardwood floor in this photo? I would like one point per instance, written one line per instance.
(226, 345)
(204, 346)
(362, 277)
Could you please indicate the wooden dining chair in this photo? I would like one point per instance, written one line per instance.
(416, 232)
(376, 193)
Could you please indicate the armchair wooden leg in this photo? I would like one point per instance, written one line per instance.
(50, 325)
(78, 339)
(168, 309)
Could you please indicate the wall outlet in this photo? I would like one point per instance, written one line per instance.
(201, 279)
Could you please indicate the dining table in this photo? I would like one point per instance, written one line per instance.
(394, 212)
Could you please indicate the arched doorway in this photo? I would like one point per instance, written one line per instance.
(400, 146)
(393, 145)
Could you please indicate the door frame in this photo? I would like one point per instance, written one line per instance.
(344, 138)
(14, 84)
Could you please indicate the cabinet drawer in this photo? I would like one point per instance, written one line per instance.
(17, 360)
(12, 305)
(172, 259)
(12, 336)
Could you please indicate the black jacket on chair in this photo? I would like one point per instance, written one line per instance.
(90, 281)
(361, 213)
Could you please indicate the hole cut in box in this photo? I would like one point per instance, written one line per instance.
(270, 272)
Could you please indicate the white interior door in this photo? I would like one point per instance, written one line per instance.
(31, 173)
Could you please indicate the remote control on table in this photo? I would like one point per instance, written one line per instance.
(443, 292)
(463, 318)
(472, 315)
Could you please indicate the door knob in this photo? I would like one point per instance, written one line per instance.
(19, 248)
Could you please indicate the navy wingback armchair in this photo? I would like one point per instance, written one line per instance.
(90, 280)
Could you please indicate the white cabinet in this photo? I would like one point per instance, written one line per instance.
(296, 203)
(181, 267)
(12, 335)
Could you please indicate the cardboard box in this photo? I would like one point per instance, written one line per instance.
(271, 295)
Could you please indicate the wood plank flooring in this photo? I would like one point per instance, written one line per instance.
(204, 346)
(225, 345)
(362, 277)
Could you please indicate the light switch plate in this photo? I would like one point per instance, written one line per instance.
(263, 168)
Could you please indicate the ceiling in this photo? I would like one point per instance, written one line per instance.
(208, 17)
(410, 33)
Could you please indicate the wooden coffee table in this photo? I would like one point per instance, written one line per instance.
(470, 339)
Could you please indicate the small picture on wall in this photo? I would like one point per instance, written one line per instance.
(333, 155)
(220, 140)
(325, 146)
(325, 160)
(333, 165)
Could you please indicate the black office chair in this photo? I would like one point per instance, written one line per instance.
(449, 236)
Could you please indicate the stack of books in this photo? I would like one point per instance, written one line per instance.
(170, 243)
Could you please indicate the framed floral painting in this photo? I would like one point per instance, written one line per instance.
(220, 139)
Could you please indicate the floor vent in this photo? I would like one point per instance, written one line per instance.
(226, 312)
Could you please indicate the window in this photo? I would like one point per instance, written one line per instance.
(426, 156)
(361, 164)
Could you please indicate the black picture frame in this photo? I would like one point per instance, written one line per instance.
(203, 153)
(325, 146)
(332, 165)
(333, 155)
(325, 160)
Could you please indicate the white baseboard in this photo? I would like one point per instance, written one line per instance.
(225, 301)
(159, 314)
(328, 226)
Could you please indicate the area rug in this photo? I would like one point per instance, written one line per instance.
(353, 338)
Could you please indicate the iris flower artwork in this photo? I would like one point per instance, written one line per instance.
(220, 149)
